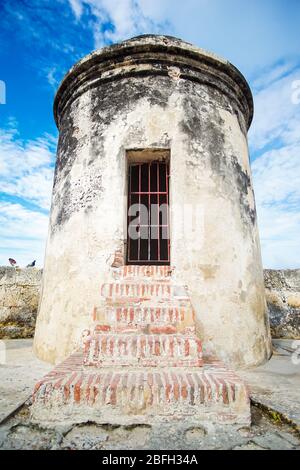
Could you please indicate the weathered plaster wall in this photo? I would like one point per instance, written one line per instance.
(20, 291)
(283, 299)
(166, 95)
(19, 298)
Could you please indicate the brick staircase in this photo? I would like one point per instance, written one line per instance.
(142, 362)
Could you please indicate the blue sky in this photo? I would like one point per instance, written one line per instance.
(40, 40)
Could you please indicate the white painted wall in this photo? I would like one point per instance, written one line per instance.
(209, 163)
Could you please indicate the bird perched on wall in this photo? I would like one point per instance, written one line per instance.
(12, 261)
(31, 265)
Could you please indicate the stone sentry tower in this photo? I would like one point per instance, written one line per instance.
(154, 119)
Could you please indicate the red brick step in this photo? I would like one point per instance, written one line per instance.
(140, 395)
(144, 319)
(144, 350)
(142, 362)
(144, 273)
(143, 291)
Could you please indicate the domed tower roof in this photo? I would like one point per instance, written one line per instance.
(154, 54)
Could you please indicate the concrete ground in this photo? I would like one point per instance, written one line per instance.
(275, 386)
(19, 371)
(274, 390)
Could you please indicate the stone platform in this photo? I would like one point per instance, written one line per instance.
(142, 362)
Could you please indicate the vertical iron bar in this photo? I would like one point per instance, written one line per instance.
(129, 205)
(139, 239)
(149, 211)
(167, 191)
(158, 227)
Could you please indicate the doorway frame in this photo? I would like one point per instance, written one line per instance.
(147, 155)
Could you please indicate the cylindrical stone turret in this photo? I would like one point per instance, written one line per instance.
(126, 107)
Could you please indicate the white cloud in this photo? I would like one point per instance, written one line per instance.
(279, 235)
(52, 80)
(277, 177)
(77, 7)
(16, 220)
(252, 36)
(22, 234)
(26, 168)
(275, 114)
(26, 172)
(128, 18)
(276, 172)
(273, 73)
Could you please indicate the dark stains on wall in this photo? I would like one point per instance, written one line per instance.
(122, 95)
(244, 186)
(118, 95)
(242, 122)
(159, 53)
(107, 102)
(66, 155)
(67, 144)
(63, 202)
(203, 127)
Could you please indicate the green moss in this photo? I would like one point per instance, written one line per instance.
(14, 330)
(275, 416)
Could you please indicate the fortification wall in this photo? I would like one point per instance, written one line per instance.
(283, 299)
(20, 291)
(19, 298)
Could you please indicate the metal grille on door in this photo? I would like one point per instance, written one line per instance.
(148, 214)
